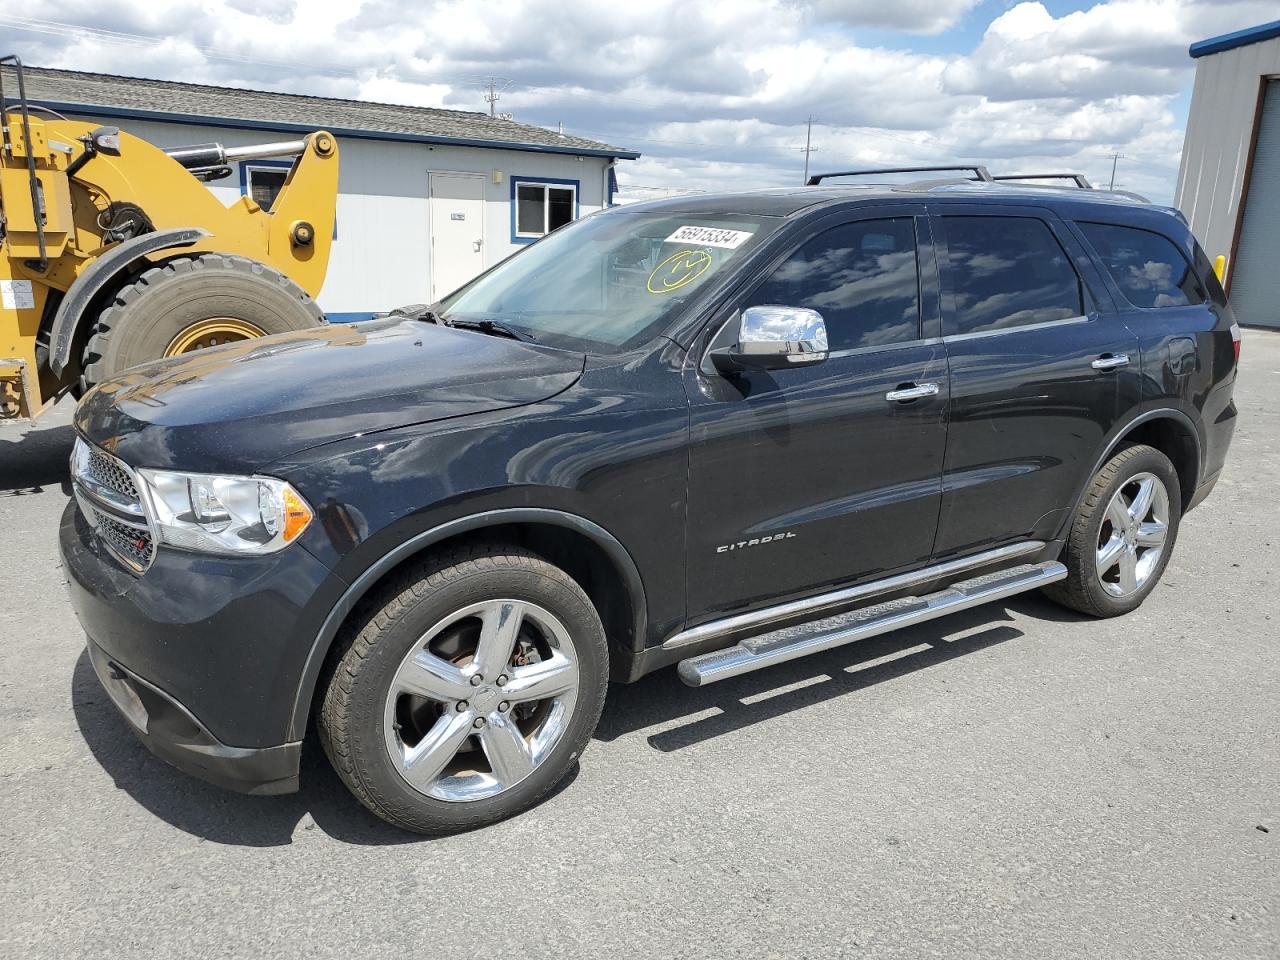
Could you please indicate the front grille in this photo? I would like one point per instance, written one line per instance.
(111, 473)
(108, 496)
(129, 542)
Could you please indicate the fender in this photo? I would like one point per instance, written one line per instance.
(489, 518)
(1162, 413)
(97, 275)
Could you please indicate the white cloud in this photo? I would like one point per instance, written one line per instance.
(714, 94)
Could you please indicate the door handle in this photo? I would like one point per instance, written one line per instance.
(1110, 361)
(475, 245)
(914, 391)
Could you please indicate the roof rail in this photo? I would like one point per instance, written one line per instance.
(979, 172)
(1079, 179)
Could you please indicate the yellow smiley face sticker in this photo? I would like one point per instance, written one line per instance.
(678, 270)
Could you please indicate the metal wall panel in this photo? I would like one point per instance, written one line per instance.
(1255, 281)
(1220, 125)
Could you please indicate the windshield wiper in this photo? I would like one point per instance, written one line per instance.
(491, 327)
(418, 311)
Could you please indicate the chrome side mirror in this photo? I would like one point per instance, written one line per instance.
(773, 337)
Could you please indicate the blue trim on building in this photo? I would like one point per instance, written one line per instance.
(1241, 38)
(129, 113)
(354, 317)
(577, 201)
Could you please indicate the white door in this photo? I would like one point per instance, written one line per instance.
(457, 230)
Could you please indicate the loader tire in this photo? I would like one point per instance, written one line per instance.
(190, 303)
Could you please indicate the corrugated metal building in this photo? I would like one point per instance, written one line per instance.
(428, 198)
(1229, 182)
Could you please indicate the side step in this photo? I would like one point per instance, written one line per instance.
(789, 643)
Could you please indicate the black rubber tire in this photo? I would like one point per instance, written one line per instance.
(143, 317)
(383, 629)
(1081, 591)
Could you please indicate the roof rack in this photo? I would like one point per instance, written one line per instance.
(1079, 179)
(979, 172)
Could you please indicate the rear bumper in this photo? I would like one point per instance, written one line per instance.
(172, 733)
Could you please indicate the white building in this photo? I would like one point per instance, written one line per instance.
(427, 199)
(1229, 183)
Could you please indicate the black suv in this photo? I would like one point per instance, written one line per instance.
(719, 431)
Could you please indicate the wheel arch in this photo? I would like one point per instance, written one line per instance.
(585, 550)
(1171, 432)
(100, 276)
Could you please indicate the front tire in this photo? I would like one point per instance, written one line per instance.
(1122, 535)
(465, 691)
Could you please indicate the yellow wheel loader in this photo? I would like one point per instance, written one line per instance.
(113, 253)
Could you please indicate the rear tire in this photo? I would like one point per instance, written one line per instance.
(192, 302)
(436, 735)
(1122, 535)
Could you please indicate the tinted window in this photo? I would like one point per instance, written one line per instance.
(1148, 269)
(861, 277)
(1009, 272)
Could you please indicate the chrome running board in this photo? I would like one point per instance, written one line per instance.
(837, 598)
(789, 643)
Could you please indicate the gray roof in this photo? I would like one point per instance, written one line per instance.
(102, 94)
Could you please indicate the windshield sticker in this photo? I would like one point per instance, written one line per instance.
(678, 270)
(710, 237)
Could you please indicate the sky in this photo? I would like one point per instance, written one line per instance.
(715, 94)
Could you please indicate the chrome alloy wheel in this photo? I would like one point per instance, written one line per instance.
(1133, 535)
(481, 700)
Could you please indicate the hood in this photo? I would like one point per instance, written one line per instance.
(246, 404)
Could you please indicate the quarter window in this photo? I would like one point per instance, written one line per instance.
(861, 277)
(1149, 270)
(542, 207)
(1009, 272)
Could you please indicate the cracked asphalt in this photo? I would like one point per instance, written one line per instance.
(1013, 782)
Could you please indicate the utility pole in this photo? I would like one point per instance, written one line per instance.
(808, 147)
(493, 92)
(1115, 158)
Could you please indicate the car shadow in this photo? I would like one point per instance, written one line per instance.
(222, 816)
(661, 699)
(658, 700)
(34, 460)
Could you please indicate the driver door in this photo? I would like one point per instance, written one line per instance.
(810, 476)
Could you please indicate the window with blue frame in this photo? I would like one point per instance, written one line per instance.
(542, 206)
(263, 183)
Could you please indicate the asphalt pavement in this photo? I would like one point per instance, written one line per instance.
(1015, 781)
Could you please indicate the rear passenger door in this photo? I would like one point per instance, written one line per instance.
(1040, 371)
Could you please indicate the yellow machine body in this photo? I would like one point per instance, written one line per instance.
(293, 237)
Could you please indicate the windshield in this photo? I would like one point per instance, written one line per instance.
(608, 282)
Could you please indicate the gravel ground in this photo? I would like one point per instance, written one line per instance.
(1012, 782)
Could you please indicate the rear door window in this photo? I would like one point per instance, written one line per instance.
(1008, 272)
(1149, 270)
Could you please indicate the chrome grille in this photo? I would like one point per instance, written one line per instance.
(130, 543)
(108, 497)
(111, 473)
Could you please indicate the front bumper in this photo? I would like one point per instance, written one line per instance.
(203, 655)
(172, 733)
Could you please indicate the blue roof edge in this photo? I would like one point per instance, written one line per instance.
(131, 113)
(1241, 38)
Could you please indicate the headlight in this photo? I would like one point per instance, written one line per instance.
(216, 514)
